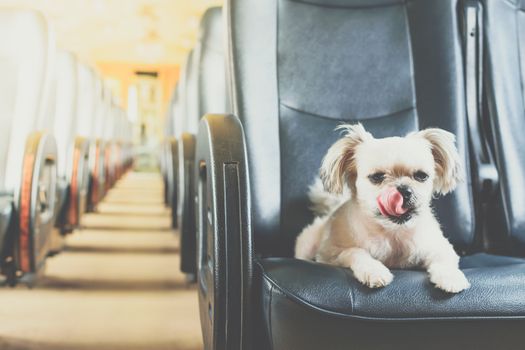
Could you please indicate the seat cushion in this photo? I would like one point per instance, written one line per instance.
(301, 298)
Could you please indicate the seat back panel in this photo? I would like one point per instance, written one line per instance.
(504, 65)
(26, 45)
(213, 93)
(345, 64)
(394, 66)
(252, 42)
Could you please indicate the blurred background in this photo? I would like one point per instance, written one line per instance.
(110, 276)
(138, 46)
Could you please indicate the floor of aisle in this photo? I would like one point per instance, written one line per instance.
(116, 286)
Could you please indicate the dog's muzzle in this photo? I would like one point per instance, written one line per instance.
(396, 203)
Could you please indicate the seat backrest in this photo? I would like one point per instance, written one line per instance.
(505, 97)
(26, 41)
(65, 108)
(46, 113)
(212, 91)
(119, 124)
(128, 133)
(101, 108)
(168, 121)
(110, 118)
(189, 88)
(179, 119)
(176, 109)
(86, 101)
(300, 67)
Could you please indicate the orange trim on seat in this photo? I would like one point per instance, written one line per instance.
(25, 213)
(73, 203)
(95, 184)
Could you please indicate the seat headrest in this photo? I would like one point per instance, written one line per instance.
(26, 55)
(65, 106)
(101, 107)
(211, 29)
(86, 101)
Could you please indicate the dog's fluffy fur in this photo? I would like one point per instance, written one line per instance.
(350, 230)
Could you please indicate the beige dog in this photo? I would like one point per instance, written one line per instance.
(376, 211)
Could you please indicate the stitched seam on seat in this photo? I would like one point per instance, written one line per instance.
(306, 303)
(350, 7)
(412, 63)
(330, 118)
(270, 329)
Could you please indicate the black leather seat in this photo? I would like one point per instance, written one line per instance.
(28, 158)
(326, 306)
(208, 94)
(184, 104)
(299, 68)
(72, 170)
(185, 123)
(506, 114)
(169, 160)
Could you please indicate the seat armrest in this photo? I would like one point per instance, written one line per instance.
(224, 247)
(37, 201)
(186, 205)
(172, 172)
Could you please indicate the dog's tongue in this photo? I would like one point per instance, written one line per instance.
(390, 202)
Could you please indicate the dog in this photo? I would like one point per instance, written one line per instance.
(373, 199)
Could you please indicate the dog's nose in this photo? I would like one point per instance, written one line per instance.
(406, 192)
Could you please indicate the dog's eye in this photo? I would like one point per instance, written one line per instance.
(376, 178)
(420, 176)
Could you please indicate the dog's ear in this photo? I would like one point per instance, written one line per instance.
(449, 171)
(338, 167)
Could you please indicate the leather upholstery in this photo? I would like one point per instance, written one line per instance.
(98, 144)
(101, 105)
(176, 110)
(25, 54)
(169, 129)
(205, 76)
(179, 118)
(189, 96)
(108, 115)
(253, 79)
(335, 61)
(396, 66)
(86, 101)
(213, 95)
(110, 118)
(310, 306)
(168, 159)
(505, 77)
(65, 110)
(494, 292)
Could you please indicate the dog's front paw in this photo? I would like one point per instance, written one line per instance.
(375, 276)
(448, 279)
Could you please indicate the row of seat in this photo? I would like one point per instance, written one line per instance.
(295, 69)
(201, 89)
(63, 142)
